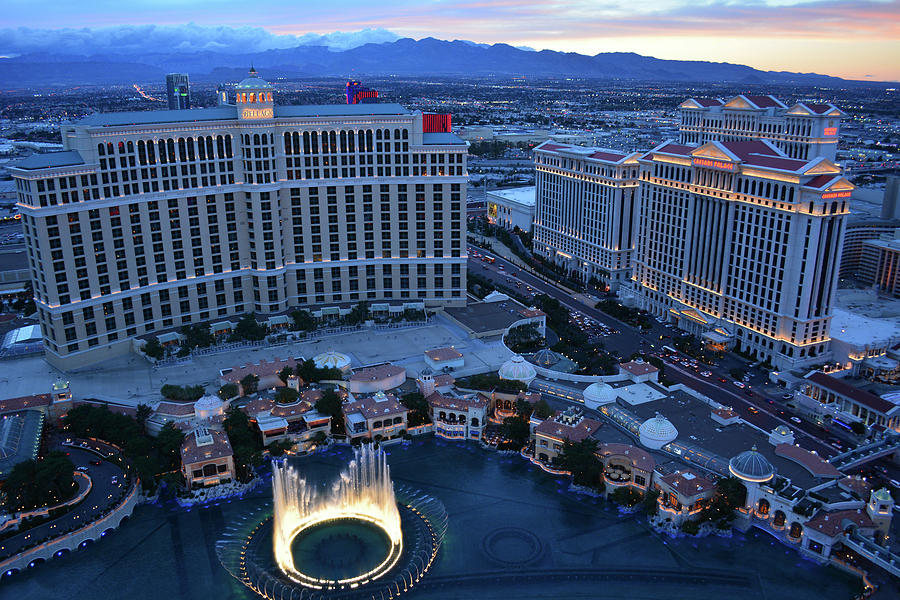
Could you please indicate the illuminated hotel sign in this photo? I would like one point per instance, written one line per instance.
(715, 164)
(830, 131)
(830, 195)
(256, 113)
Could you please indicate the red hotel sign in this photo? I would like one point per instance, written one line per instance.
(715, 164)
(830, 131)
(830, 195)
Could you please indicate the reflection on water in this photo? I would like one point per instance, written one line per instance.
(496, 504)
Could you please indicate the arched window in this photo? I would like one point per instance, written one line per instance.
(101, 150)
(256, 139)
(474, 421)
(252, 97)
(151, 152)
(287, 143)
(130, 146)
(209, 470)
(269, 96)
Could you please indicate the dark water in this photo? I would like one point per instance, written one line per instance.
(514, 531)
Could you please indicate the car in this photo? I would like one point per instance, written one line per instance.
(787, 396)
(723, 380)
(705, 373)
(740, 384)
(95, 462)
(82, 469)
(770, 401)
(753, 410)
(796, 420)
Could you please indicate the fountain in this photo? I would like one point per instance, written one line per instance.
(363, 494)
(359, 535)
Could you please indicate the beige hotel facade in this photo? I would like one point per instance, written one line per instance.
(149, 221)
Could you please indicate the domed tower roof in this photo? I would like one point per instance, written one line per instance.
(599, 393)
(517, 369)
(751, 466)
(545, 357)
(254, 82)
(656, 432)
(332, 359)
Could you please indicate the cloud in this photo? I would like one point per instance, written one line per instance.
(143, 39)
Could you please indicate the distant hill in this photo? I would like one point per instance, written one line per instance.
(406, 57)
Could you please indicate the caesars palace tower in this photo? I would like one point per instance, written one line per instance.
(149, 221)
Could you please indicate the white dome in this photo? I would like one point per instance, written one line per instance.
(657, 432)
(208, 406)
(518, 369)
(332, 360)
(599, 393)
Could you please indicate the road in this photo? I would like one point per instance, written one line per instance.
(630, 339)
(102, 496)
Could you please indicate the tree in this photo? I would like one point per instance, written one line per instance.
(649, 504)
(418, 408)
(197, 335)
(246, 443)
(625, 495)
(542, 409)
(168, 441)
(278, 448)
(248, 328)
(154, 349)
(330, 404)
(580, 460)
(690, 527)
(286, 395)
(229, 390)
(38, 483)
(303, 320)
(284, 374)
(179, 393)
(358, 314)
(524, 408)
(516, 430)
(730, 494)
(141, 414)
(249, 384)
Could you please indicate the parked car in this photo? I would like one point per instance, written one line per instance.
(82, 469)
(740, 384)
(796, 420)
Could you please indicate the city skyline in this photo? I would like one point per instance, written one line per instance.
(854, 40)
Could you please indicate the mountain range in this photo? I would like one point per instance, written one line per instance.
(403, 57)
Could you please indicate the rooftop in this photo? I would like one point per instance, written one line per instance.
(438, 400)
(191, 453)
(375, 407)
(23, 402)
(860, 330)
(482, 317)
(688, 483)
(833, 523)
(376, 373)
(640, 459)
(812, 462)
(557, 429)
(48, 160)
(838, 386)
(441, 354)
(225, 113)
(592, 152)
(524, 196)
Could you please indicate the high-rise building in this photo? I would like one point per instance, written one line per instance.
(804, 131)
(584, 209)
(740, 244)
(148, 221)
(358, 94)
(178, 91)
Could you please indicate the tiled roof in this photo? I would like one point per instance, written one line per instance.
(867, 399)
(821, 181)
(376, 373)
(609, 156)
(833, 523)
(688, 482)
(552, 428)
(638, 368)
(813, 463)
(371, 408)
(23, 402)
(191, 453)
(175, 409)
(640, 459)
(438, 400)
(439, 354)
(764, 101)
(672, 148)
(287, 411)
(819, 109)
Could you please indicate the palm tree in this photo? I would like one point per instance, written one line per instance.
(142, 414)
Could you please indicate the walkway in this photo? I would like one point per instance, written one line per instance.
(863, 454)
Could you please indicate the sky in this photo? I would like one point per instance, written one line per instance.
(851, 39)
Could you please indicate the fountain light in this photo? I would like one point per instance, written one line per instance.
(363, 492)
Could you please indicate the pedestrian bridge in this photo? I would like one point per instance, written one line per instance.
(866, 453)
(882, 557)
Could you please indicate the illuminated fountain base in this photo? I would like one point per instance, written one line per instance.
(360, 537)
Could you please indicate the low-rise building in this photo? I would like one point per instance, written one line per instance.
(569, 425)
(265, 370)
(458, 417)
(511, 208)
(444, 358)
(206, 458)
(377, 415)
(683, 494)
(378, 378)
(825, 397)
(624, 464)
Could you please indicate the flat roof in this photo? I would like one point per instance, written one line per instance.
(482, 317)
(441, 139)
(855, 328)
(524, 195)
(20, 435)
(691, 417)
(225, 113)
